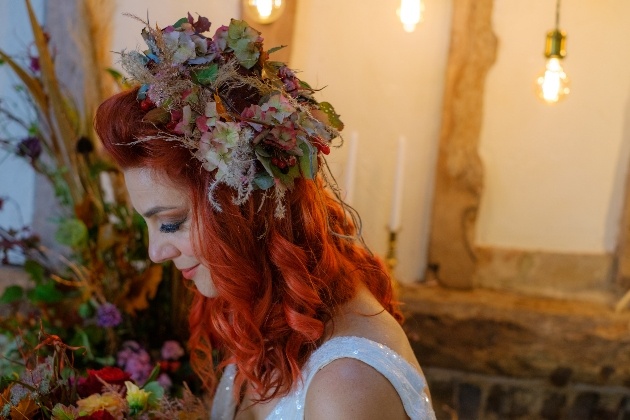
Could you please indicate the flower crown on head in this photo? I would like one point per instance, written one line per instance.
(242, 115)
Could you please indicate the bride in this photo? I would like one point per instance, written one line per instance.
(223, 155)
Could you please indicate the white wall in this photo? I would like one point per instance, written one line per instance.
(385, 83)
(555, 174)
(16, 176)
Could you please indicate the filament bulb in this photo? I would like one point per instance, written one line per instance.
(410, 13)
(553, 83)
(264, 11)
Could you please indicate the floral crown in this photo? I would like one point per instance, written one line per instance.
(242, 115)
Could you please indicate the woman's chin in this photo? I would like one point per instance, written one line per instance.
(206, 288)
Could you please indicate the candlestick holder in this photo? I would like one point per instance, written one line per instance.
(391, 259)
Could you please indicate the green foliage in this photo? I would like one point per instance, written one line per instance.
(72, 232)
(180, 22)
(333, 117)
(46, 292)
(242, 39)
(156, 390)
(62, 192)
(12, 294)
(35, 271)
(207, 75)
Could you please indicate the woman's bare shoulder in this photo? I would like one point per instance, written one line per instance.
(364, 317)
(350, 389)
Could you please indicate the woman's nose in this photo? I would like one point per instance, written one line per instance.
(161, 250)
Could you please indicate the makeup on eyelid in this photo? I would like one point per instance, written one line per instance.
(172, 227)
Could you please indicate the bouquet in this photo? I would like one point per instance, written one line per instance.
(50, 387)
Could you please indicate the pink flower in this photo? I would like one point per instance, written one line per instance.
(135, 360)
(172, 350)
(165, 381)
(220, 37)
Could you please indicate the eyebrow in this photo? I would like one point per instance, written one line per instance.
(155, 210)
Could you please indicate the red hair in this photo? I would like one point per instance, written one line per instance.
(278, 281)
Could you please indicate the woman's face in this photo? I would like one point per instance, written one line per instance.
(167, 210)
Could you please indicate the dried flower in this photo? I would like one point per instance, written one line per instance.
(165, 381)
(33, 64)
(269, 129)
(108, 315)
(30, 147)
(84, 145)
(135, 360)
(110, 401)
(102, 394)
(172, 350)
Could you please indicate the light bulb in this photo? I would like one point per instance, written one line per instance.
(410, 13)
(263, 11)
(553, 83)
(264, 8)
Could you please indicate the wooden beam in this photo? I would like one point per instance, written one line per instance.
(459, 177)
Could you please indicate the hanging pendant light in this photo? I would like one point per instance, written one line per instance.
(410, 13)
(553, 83)
(264, 11)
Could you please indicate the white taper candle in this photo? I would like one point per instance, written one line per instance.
(394, 223)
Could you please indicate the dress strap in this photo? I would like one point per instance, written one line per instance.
(224, 404)
(406, 379)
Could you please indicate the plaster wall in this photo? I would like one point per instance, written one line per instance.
(127, 31)
(385, 83)
(554, 175)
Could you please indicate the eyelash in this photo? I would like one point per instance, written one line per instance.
(171, 227)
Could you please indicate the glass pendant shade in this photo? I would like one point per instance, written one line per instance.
(264, 11)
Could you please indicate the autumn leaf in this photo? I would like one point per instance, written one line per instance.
(25, 409)
(143, 289)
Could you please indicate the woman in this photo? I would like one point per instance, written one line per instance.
(221, 150)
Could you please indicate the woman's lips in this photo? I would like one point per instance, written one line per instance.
(189, 273)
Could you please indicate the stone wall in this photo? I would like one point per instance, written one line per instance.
(466, 396)
(500, 355)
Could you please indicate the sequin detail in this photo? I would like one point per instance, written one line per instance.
(224, 405)
(407, 381)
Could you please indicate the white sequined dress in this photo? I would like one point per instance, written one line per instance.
(408, 382)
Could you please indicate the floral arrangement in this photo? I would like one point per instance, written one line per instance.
(50, 387)
(244, 116)
(97, 291)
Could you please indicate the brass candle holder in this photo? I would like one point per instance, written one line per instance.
(390, 258)
(392, 261)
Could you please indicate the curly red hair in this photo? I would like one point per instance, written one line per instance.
(278, 280)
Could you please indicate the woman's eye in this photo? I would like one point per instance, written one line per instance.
(171, 227)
